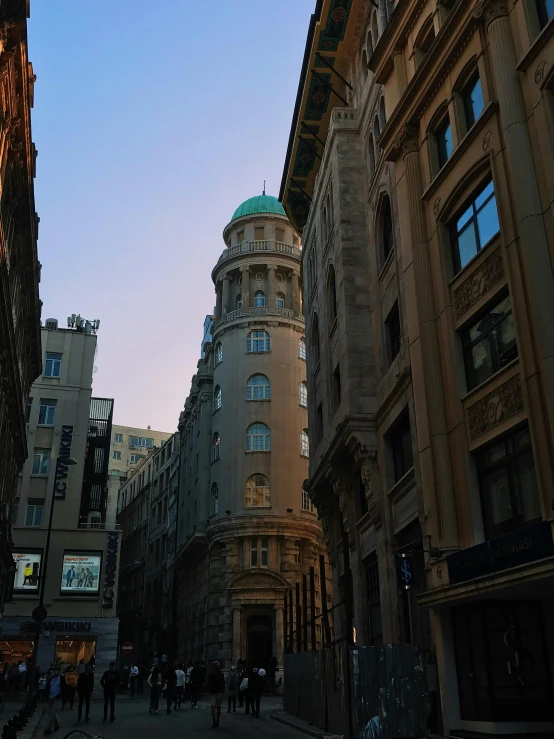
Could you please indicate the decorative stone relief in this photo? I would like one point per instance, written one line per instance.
(489, 10)
(496, 407)
(408, 141)
(483, 279)
(539, 72)
(487, 141)
(368, 471)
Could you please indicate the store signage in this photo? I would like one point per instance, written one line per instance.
(81, 572)
(517, 548)
(62, 469)
(405, 571)
(67, 626)
(27, 571)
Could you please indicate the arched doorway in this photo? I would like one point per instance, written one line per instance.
(259, 640)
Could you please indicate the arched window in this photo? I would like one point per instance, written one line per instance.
(257, 492)
(280, 300)
(331, 297)
(259, 299)
(216, 442)
(387, 236)
(424, 39)
(472, 98)
(258, 438)
(218, 352)
(371, 155)
(374, 30)
(365, 69)
(303, 394)
(369, 44)
(217, 398)
(238, 302)
(304, 443)
(258, 387)
(302, 348)
(382, 114)
(214, 500)
(315, 338)
(258, 341)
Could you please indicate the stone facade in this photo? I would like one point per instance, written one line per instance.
(246, 531)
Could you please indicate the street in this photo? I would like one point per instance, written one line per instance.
(133, 720)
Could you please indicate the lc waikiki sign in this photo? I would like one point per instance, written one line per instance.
(62, 469)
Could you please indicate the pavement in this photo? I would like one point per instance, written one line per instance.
(133, 720)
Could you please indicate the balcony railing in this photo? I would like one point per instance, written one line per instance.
(255, 246)
(282, 312)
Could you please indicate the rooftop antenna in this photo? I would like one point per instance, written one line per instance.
(264, 189)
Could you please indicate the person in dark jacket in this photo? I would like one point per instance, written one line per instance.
(109, 681)
(216, 689)
(255, 690)
(170, 686)
(196, 683)
(85, 684)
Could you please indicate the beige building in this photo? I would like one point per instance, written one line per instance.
(246, 531)
(81, 570)
(450, 178)
(129, 445)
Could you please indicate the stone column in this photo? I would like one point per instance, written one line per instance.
(218, 308)
(245, 272)
(272, 286)
(235, 650)
(441, 487)
(225, 298)
(295, 291)
(527, 203)
(279, 636)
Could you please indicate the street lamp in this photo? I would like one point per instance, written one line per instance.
(40, 613)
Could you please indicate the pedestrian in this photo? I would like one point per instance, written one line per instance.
(85, 684)
(240, 675)
(180, 686)
(155, 681)
(244, 689)
(170, 686)
(54, 689)
(42, 687)
(109, 681)
(216, 689)
(255, 690)
(69, 686)
(232, 685)
(21, 675)
(196, 683)
(133, 677)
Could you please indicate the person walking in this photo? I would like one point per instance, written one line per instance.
(216, 689)
(170, 686)
(85, 684)
(180, 686)
(155, 681)
(42, 682)
(109, 681)
(69, 687)
(54, 689)
(255, 690)
(196, 683)
(21, 675)
(244, 685)
(240, 676)
(133, 677)
(232, 684)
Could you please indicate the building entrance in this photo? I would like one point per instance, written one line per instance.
(259, 641)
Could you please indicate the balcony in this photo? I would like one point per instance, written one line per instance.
(247, 247)
(274, 312)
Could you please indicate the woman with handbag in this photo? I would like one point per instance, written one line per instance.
(156, 683)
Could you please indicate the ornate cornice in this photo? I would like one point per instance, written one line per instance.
(489, 10)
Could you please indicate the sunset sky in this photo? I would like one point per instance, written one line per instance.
(153, 123)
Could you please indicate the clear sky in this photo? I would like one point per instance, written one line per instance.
(153, 122)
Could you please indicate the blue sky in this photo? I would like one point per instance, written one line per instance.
(153, 122)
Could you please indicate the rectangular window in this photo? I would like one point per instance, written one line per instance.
(41, 460)
(117, 455)
(29, 409)
(52, 365)
(490, 343)
(47, 412)
(34, 515)
(475, 227)
(508, 485)
(473, 100)
(307, 504)
(265, 551)
(280, 235)
(240, 237)
(393, 331)
(443, 137)
(545, 10)
(401, 447)
(259, 233)
(374, 598)
(254, 553)
(118, 438)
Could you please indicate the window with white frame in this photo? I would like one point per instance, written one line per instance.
(302, 348)
(307, 504)
(118, 438)
(142, 441)
(258, 387)
(34, 514)
(214, 500)
(52, 364)
(259, 299)
(303, 394)
(41, 461)
(280, 300)
(258, 438)
(259, 551)
(304, 443)
(258, 341)
(257, 492)
(217, 398)
(47, 412)
(134, 458)
(218, 352)
(216, 443)
(117, 455)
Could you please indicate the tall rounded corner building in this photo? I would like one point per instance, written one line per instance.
(247, 531)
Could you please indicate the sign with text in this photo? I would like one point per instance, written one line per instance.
(62, 469)
(405, 571)
(81, 572)
(27, 571)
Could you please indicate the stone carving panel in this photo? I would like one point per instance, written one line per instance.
(483, 279)
(496, 407)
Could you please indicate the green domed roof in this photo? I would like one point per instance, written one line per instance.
(259, 204)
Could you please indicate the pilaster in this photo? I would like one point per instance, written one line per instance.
(245, 290)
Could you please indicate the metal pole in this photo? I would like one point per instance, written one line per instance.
(291, 625)
(305, 611)
(323, 581)
(298, 619)
(312, 606)
(286, 623)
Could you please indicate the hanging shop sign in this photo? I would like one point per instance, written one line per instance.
(405, 571)
(62, 469)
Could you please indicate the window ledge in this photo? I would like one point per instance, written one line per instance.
(466, 268)
(258, 400)
(536, 46)
(399, 487)
(305, 456)
(258, 451)
(478, 388)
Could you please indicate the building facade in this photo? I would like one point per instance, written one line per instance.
(130, 445)
(19, 267)
(464, 230)
(64, 421)
(246, 531)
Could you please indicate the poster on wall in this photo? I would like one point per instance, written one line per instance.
(27, 570)
(81, 572)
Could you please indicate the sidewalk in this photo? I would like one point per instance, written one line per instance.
(292, 722)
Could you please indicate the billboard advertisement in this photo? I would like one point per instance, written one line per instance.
(27, 570)
(81, 572)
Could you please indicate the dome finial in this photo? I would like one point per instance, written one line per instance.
(264, 189)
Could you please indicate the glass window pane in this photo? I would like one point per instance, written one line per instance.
(497, 504)
(39, 514)
(487, 222)
(481, 363)
(265, 557)
(467, 244)
(505, 339)
(464, 218)
(529, 508)
(477, 102)
(484, 194)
